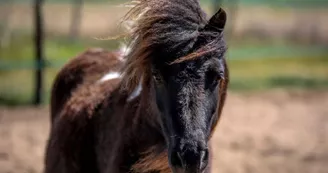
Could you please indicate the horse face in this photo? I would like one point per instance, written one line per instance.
(187, 97)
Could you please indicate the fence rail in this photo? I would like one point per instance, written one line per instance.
(250, 52)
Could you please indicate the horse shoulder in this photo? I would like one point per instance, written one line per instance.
(87, 99)
(84, 69)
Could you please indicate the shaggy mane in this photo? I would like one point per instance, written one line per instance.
(159, 26)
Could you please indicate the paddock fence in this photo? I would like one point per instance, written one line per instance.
(272, 44)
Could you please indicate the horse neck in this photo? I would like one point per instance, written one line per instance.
(147, 142)
(145, 124)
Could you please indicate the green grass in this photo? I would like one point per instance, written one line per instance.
(308, 67)
(17, 86)
(16, 64)
(56, 47)
(255, 67)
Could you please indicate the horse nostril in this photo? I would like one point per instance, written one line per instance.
(190, 160)
(176, 159)
(204, 155)
(203, 159)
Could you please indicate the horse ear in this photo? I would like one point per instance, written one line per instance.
(217, 21)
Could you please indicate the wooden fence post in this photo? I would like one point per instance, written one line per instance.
(76, 19)
(39, 61)
(5, 33)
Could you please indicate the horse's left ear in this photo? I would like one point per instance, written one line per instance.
(217, 21)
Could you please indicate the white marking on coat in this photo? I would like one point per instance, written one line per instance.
(123, 52)
(136, 92)
(110, 76)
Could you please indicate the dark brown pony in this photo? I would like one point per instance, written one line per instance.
(153, 112)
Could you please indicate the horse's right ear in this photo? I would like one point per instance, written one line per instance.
(217, 21)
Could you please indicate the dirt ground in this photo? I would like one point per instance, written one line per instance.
(265, 132)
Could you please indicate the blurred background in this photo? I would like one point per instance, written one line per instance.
(276, 116)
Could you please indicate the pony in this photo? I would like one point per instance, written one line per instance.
(152, 109)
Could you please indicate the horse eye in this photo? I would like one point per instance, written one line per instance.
(212, 79)
(157, 78)
(215, 82)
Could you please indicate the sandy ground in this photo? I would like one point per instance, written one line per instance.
(268, 132)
